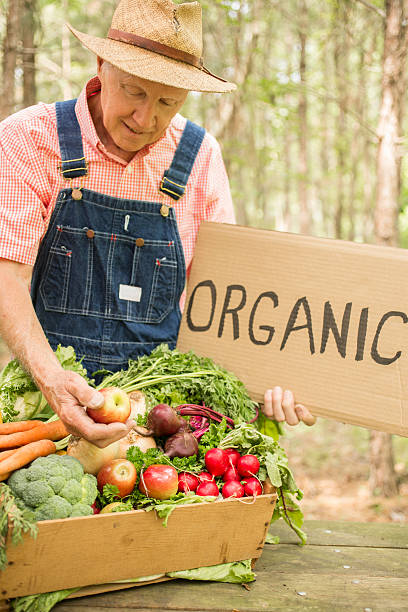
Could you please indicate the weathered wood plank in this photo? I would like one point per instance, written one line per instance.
(375, 575)
(270, 593)
(346, 533)
(326, 561)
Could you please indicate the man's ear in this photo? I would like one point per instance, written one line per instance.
(99, 62)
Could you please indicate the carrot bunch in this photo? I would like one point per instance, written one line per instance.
(23, 441)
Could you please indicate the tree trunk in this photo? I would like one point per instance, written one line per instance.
(303, 128)
(383, 477)
(29, 51)
(10, 55)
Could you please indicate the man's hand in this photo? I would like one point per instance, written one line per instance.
(280, 406)
(68, 394)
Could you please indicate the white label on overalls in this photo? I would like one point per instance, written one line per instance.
(127, 292)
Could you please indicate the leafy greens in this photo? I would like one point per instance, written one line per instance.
(20, 398)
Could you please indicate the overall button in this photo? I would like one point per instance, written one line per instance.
(76, 194)
(164, 211)
(90, 233)
(139, 242)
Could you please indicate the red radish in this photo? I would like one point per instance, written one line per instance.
(207, 488)
(248, 465)
(233, 488)
(216, 461)
(233, 456)
(187, 482)
(252, 486)
(159, 481)
(204, 477)
(231, 474)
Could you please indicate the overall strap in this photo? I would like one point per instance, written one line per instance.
(70, 141)
(175, 179)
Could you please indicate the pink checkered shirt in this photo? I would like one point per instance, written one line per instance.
(30, 180)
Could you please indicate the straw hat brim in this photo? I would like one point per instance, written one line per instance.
(152, 66)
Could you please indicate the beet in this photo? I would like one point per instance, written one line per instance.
(163, 420)
(182, 444)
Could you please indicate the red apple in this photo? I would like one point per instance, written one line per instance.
(116, 407)
(119, 472)
(159, 481)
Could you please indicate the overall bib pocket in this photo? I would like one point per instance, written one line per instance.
(110, 276)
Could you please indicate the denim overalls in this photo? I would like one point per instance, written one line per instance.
(110, 272)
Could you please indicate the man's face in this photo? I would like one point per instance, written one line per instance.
(135, 112)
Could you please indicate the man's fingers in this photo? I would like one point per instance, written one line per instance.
(304, 415)
(86, 395)
(288, 405)
(277, 394)
(267, 406)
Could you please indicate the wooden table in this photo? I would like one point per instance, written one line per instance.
(344, 566)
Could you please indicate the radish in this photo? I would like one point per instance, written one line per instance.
(248, 465)
(207, 488)
(204, 477)
(252, 486)
(233, 456)
(216, 461)
(231, 474)
(233, 488)
(187, 482)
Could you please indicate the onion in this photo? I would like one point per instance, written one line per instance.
(182, 444)
(137, 404)
(93, 458)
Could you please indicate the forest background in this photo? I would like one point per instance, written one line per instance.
(314, 143)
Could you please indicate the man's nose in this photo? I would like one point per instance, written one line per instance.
(145, 116)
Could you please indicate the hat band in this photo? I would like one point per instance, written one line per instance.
(156, 47)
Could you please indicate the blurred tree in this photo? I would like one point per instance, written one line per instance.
(382, 473)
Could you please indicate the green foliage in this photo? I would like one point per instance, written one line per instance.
(171, 377)
(13, 520)
(20, 398)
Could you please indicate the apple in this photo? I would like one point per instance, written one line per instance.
(119, 472)
(111, 508)
(116, 407)
(159, 481)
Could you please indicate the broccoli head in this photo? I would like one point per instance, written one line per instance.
(54, 487)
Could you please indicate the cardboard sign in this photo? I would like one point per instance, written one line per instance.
(327, 319)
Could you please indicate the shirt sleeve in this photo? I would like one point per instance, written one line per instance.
(219, 207)
(23, 194)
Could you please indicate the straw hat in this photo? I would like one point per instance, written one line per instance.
(159, 41)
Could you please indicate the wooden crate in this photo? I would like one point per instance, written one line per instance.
(100, 549)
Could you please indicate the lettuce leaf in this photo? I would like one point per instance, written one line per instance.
(20, 398)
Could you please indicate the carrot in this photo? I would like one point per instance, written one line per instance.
(4, 476)
(55, 430)
(15, 426)
(26, 454)
(7, 453)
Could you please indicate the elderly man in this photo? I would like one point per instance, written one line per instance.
(101, 201)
